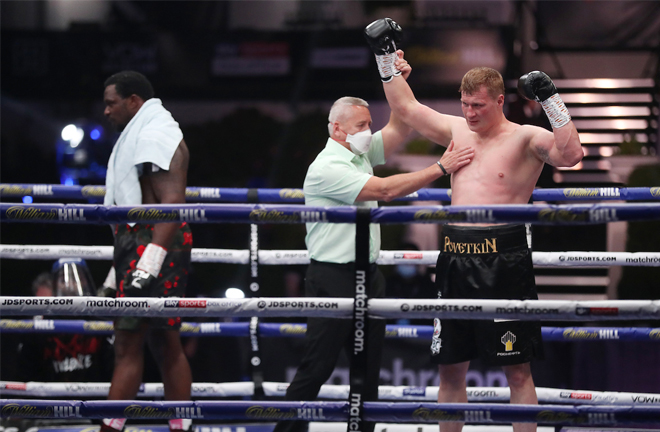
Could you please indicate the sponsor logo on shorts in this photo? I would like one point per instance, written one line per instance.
(414, 391)
(508, 339)
(488, 246)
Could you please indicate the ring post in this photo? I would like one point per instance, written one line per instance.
(255, 342)
(360, 322)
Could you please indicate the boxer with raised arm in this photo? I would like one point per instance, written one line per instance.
(508, 159)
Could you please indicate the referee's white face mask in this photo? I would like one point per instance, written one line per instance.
(359, 142)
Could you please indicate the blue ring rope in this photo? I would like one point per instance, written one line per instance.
(488, 413)
(240, 195)
(545, 214)
(393, 331)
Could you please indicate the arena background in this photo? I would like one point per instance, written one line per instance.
(251, 83)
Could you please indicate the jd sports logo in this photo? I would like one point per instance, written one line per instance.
(508, 340)
(261, 304)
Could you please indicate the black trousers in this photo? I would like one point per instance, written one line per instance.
(325, 338)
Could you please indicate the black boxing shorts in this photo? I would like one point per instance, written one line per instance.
(485, 263)
(130, 242)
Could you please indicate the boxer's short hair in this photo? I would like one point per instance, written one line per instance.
(482, 76)
(128, 83)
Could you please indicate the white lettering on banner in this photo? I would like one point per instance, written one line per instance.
(360, 310)
(313, 216)
(188, 413)
(210, 327)
(608, 192)
(311, 414)
(601, 418)
(407, 332)
(608, 334)
(192, 215)
(66, 411)
(477, 415)
(480, 216)
(71, 214)
(42, 189)
(44, 324)
(354, 412)
(209, 192)
(602, 215)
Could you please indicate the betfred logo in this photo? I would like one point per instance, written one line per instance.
(15, 386)
(413, 256)
(201, 304)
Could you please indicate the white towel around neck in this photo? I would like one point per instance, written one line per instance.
(152, 136)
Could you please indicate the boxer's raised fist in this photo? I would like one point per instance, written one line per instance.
(536, 86)
(383, 35)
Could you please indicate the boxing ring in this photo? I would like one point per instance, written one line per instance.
(404, 404)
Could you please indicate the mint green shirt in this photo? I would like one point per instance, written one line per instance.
(336, 178)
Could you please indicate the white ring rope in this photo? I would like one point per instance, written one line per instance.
(330, 391)
(334, 307)
(299, 257)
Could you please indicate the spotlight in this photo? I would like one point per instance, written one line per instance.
(234, 293)
(73, 134)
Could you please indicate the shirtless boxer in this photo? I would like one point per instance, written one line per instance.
(148, 165)
(507, 163)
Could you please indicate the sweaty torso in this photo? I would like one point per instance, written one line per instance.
(504, 169)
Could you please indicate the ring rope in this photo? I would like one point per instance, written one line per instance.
(210, 194)
(300, 257)
(576, 214)
(334, 307)
(593, 415)
(331, 391)
(392, 331)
